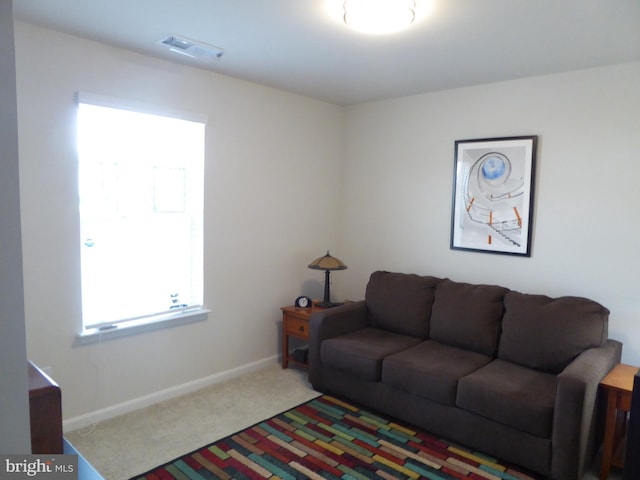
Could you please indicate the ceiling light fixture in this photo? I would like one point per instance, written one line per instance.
(379, 16)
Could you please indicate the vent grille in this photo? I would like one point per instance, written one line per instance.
(192, 48)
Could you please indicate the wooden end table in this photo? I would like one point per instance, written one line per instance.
(295, 323)
(617, 386)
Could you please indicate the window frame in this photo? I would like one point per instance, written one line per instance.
(152, 322)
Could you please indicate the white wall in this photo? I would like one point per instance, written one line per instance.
(399, 176)
(271, 206)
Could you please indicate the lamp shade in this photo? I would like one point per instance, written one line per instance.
(327, 262)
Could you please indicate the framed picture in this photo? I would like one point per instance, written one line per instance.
(493, 182)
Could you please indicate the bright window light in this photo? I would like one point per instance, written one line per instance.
(141, 214)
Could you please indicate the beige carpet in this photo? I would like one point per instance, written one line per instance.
(134, 443)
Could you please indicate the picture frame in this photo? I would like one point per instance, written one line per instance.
(493, 186)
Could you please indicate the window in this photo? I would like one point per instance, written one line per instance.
(141, 213)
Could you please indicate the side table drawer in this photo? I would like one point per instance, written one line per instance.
(297, 327)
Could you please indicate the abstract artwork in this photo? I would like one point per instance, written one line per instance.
(493, 195)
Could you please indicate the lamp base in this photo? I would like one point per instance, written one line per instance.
(328, 304)
(326, 301)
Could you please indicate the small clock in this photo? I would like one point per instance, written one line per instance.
(303, 302)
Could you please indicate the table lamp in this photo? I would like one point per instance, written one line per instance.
(327, 263)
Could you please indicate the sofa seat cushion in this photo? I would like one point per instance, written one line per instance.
(431, 370)
(510, 394)
(361, 352)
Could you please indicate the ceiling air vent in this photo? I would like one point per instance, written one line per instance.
(191, 48)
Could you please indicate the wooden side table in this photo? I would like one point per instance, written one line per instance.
(295, 323)
(617, 386)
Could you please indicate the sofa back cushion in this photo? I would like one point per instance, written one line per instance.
(400, 302)
(467, 316)
(548, 333)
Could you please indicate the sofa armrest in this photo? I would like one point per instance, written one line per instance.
(574, 418)
(329, 323)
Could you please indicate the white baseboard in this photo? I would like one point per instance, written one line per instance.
(101, 415)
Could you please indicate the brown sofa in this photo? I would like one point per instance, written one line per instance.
(510, 374)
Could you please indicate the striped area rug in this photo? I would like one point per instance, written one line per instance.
(327, 438)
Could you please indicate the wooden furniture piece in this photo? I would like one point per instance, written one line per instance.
(45, 413)
(295, 323)
(618, 387)
(631, 458)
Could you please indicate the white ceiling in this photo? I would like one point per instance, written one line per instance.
(296, 45)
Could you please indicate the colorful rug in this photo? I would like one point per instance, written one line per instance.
(327, 438)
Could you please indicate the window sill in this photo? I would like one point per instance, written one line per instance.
(97, 335)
